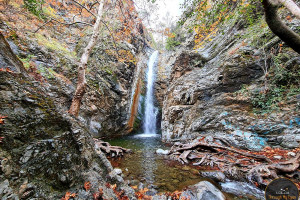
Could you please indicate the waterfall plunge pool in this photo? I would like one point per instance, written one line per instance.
(145, 168)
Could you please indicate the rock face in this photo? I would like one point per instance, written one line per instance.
(201, 91)
(44, 153)
(7, 56)
(52, 58)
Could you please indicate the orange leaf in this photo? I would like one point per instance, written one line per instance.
(2, 119)
(134, 187)
(73, 195)
(87, 186)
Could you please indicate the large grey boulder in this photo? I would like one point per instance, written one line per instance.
(242, 189)
(203, 190)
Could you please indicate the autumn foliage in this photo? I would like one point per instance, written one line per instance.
(87, 186)
(68, 196)
(209, 15)
(6, 70)
(2, 119)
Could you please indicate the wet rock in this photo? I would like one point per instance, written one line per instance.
(202, 191)
(115, 177)
(6, 167)
(151, 192)
(159, 197)
(278, 157)
(163, 152)
(214, 175)
(118, 171)
(134, 182)
(6, 192)
(242, 189)
(291, 154)
(141, 186)
(26, 156)
(290, 140)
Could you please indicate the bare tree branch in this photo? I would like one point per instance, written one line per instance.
(88, 10)
(292, 7)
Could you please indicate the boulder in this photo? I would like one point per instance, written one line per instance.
(203, 190)
(214, 175)
(242, 189)
(163, 152)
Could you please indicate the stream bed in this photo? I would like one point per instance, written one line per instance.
(144, 168)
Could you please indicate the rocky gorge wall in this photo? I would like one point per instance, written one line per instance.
(52, 59)
(44, 151)
(207, 91)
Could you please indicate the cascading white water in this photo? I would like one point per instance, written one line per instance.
(150, 114)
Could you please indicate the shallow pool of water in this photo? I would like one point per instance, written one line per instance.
(153, 170)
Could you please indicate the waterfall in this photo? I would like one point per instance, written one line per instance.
(149, 122)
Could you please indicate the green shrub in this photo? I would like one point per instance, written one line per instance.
(35, 7)
(266, 101)
(172, 43)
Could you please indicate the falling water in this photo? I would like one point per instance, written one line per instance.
(150, 110)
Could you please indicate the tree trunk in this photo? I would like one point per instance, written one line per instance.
(292, 7)
(278, 27)
(81, 82)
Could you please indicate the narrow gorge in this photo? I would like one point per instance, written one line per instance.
(201, 106)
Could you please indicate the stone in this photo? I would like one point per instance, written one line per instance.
(6, 167)
(159, 197)
(113, 176)
(291, 154)
(118, 171)
(26, 156)
(242, 189)
(4, 187)
(214, 175)
(278, 157)
(290, 140)
(163, 152)
(203, 190)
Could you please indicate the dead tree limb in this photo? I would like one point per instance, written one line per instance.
(111, 151)
(81, 82)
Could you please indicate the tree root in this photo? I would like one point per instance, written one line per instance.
(257, 167)
(214, 147)
(110, 151)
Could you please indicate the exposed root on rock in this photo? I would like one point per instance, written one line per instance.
(257, 167)
(110, 151)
